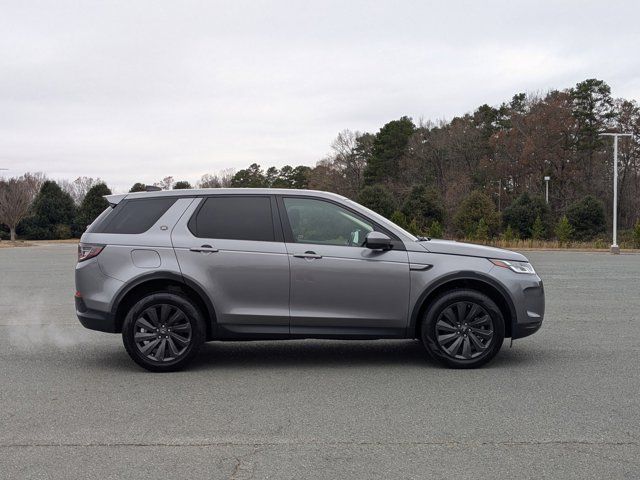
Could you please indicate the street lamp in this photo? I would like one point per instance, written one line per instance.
(499, 182)
(546, 181)
(615, 249)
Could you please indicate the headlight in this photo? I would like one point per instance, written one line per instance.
(518, 267)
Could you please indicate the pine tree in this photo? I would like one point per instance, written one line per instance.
(53, 210)
(414, 227)
(399, 219)
(92, 205)
(378, 199)
(537, 230)
(509, 235)
(388, 148)
(436, 230)
(482, 231)
(564, 231)
(424, 204)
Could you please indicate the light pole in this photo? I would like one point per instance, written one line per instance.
(615, 249)
(546, 181)
(499, 182)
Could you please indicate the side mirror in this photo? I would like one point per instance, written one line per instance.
(378, 241)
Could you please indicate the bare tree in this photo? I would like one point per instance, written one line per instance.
(15, 200)
(79, 187)
(209, 181)
(34, 181)
(217, 180)
(166, 183)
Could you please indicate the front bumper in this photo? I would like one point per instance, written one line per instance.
(527, 298)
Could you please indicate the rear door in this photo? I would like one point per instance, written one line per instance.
(230, 246)
(338, 286)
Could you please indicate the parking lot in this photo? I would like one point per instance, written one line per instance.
(563, 403)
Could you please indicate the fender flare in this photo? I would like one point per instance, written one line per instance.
(166, 275)
(460, 275)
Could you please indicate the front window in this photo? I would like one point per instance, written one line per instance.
(320, 222)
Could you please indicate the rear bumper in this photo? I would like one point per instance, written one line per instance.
(93, 319)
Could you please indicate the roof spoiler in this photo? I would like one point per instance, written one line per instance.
(115, 199)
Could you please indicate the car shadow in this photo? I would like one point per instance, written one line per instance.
(311, 353)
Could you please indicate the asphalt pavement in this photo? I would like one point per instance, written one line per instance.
(563, 403)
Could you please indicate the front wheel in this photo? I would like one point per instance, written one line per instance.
(463, 329)
(163, 332)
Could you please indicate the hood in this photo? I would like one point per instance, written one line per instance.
(471, 250)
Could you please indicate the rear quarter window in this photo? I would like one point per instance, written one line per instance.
(133, 216)
(100, 219)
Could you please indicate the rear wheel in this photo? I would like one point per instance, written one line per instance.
(163, 332)
(463, 329)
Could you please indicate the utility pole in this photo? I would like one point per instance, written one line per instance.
(499, 182)
(546, 181)
(615, 249)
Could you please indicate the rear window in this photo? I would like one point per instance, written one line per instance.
(234, 218)
(100, 219)
(134, 216)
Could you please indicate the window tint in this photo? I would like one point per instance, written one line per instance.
(135, 216)
(317, 221)
(100, 219)
(235, 218)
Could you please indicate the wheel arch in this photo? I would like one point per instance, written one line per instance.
(471, 280)
(163, 281)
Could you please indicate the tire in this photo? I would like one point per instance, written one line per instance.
(463, 329)
(163, 332)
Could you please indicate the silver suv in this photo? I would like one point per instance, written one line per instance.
(173, 269)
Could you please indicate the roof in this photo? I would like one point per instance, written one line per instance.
(115, 199)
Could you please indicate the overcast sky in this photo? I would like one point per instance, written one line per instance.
(138, 90)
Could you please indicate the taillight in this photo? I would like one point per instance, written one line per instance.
(88, 250)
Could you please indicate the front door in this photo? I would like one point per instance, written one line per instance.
(338, 286)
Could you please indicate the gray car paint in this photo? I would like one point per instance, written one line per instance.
(248, 281)
(262, 288)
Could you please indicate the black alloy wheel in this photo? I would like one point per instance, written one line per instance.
(463, 328)
(163, 331)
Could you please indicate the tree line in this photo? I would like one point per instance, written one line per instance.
(478, 176)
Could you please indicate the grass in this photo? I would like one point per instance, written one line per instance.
(31, 243)
(530, 244)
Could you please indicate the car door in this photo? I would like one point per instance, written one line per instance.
(230, 246)
(338, 286)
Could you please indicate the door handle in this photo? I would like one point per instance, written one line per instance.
(308, 255)
(204, 249)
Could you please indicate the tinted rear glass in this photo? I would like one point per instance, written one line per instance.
(234, 218)
(135, 216)
(100, 219)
